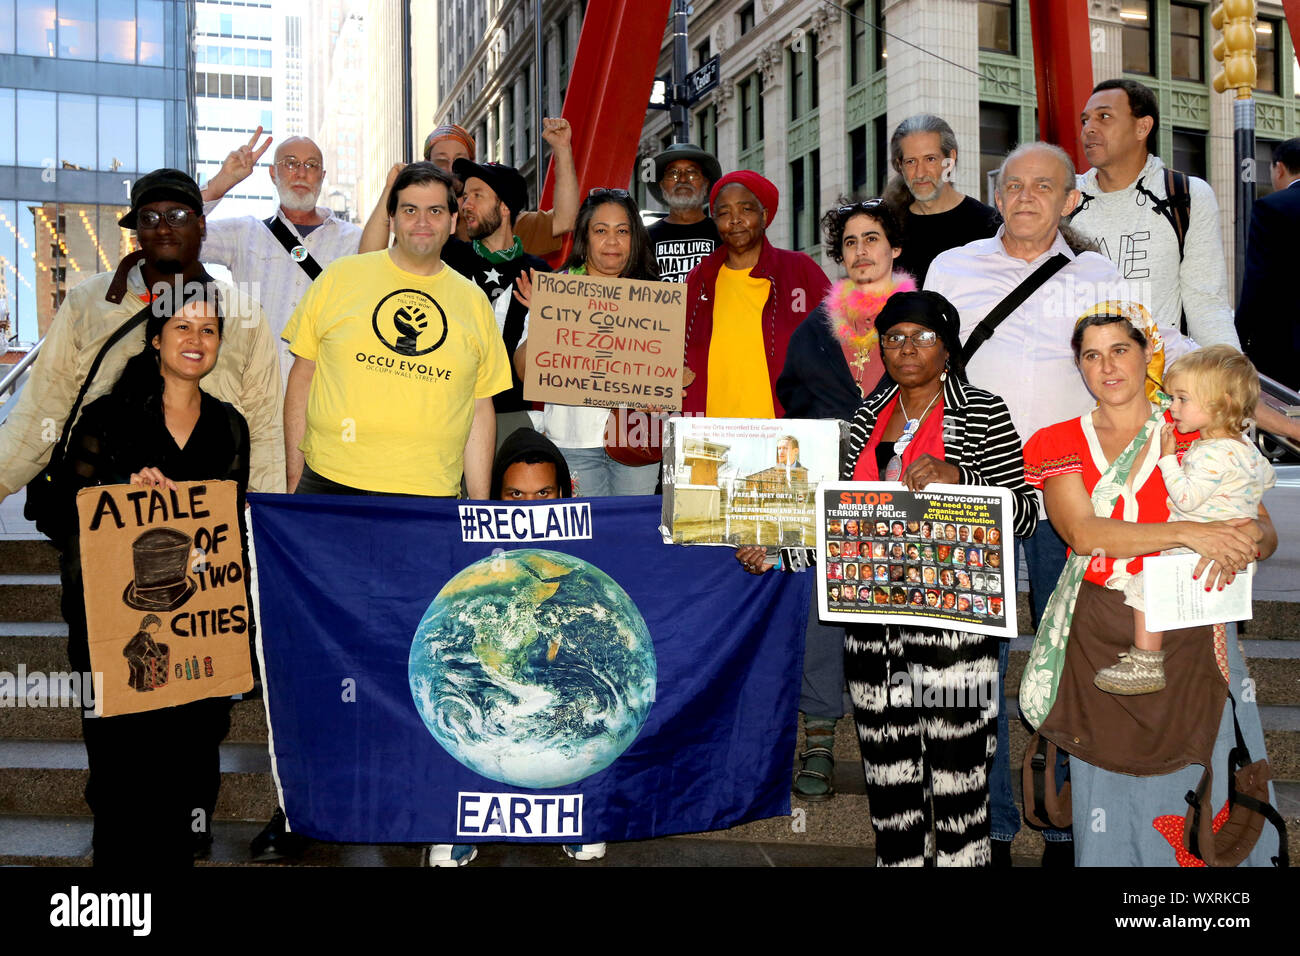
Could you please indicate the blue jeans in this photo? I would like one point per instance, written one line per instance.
(1044, 554)
(596, 475)
(822, 695)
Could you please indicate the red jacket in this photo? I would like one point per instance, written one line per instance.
(798, 285)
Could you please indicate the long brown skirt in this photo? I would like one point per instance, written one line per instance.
(1144, 735)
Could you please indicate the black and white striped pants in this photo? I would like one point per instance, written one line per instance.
(925, 702)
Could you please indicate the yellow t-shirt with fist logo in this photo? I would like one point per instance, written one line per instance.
(400, 360)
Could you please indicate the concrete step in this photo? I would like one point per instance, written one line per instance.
(247, 723)
(30, 596)
(32, 556)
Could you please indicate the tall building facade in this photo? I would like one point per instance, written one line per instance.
(810, 91)
(237, 62)
(92, 94)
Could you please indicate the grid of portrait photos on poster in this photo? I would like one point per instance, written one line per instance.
(915, 566)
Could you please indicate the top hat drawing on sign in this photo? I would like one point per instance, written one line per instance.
(160, 557)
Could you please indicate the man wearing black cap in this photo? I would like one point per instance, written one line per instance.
(493, 258)
(167, 215)
(684, 174)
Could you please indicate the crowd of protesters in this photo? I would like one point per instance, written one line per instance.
(957, 345)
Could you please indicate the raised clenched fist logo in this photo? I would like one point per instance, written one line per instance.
(410, 322)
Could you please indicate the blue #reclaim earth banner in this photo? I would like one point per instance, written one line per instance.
(454, 672)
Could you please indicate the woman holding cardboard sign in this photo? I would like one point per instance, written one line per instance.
(609, 239)
(154, 775)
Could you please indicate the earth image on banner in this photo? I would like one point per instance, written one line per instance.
(533, 668)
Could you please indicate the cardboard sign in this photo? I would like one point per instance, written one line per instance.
(745, 481)
(166, 606)
(598, 341)
(938, 558)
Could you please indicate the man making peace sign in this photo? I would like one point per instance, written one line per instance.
(274, 261)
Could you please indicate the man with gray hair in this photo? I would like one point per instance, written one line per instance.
(1033, 272)
(935, 217)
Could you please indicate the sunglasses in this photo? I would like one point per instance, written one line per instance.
(603, 193)
(149, 218)
(865, 205)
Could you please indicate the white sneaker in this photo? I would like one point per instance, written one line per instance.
(449, 854)
(583, 852)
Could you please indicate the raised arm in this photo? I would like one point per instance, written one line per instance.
(564, 197)
(239, 164)
(374, 236)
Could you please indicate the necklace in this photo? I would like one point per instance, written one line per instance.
(895, 467)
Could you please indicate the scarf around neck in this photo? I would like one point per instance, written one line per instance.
(851, 313)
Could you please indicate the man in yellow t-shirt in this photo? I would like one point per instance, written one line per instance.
(396, 360)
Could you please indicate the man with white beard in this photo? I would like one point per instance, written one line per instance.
(684, 174)
(275, 260)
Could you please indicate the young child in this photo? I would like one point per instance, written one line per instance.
(1222, 476)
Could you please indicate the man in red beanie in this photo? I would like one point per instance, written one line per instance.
(746, 298)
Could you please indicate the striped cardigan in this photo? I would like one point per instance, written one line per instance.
(978, 438)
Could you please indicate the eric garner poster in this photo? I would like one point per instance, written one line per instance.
(594, 340)
(746, 481)
(941, 557)
(166, 606)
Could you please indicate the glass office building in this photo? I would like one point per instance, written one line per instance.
(92, 94)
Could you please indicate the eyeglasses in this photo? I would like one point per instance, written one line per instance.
(683, 176)
(311, 165)
(866, 205)
(925, 339)
(603, 193)
(149, 218)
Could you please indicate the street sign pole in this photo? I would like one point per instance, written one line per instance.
(680, 113)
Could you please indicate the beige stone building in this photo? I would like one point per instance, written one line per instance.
(810, 91)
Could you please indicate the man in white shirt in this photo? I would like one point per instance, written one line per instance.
(276, 260)
(1121, 205)
(1029, 363)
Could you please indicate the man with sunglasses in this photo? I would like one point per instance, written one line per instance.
(167, 216)
(684, 174)
(275, 260)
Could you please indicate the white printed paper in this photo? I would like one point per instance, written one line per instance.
(1175, 601)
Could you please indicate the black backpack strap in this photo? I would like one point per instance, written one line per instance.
(984, 331)
(293, 245)
(121, 331)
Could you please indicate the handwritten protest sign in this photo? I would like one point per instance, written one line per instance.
(594, 340)
(166, 604)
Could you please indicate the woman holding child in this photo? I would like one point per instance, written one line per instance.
(1101, 476)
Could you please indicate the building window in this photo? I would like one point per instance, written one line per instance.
(997, 26)
(509, 127)
(1263, 167)
(706, 129)
(703, 52)
(858, 162)
(882, 152)
(746, 17)
(1186, 43)
(999, 130)
(882, 53)
(751, 111)
(1189, 152)
(1138, 35)
(804, 87)
(1266, 59)
(77, 29)
(857, 33)
(798, 204)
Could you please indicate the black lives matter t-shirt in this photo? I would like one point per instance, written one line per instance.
(924, 237)
(679, 248)
(497, 279)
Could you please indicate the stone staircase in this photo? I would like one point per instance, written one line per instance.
(44, 819)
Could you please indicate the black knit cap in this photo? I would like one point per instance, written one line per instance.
(934, 312)
(511, 187)
(159, 185)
